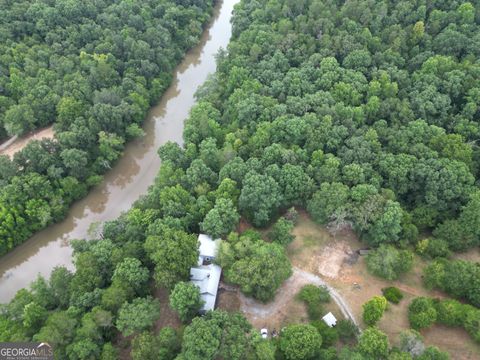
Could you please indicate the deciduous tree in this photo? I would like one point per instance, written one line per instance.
(373, 310)
(185, 300)
(300, 342)
(138, 315)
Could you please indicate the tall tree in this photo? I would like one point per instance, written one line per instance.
(173, 252)
(185, 300)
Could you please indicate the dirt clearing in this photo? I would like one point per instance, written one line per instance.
(21, 142)
(168, 316)
(333, 258)
(285, 308)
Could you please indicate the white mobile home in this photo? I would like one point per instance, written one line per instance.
(206, 276)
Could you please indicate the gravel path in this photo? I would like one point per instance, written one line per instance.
(286, 293)
(314, 279)
(7, 143)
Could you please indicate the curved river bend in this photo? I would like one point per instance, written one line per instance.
(133, 173)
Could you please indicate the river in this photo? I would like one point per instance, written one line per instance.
(132, 174)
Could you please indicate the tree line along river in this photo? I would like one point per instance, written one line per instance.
(133, 173)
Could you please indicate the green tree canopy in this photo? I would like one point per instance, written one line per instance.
(373, 343)
(281, 232)
(259, 198)
(388, 262)
(373, 310)
(221, 220)
(185, 300)
(217, 334)
(300, 342)
(138, 315)
(258, 267)
(173, 252)
(421, 313)
(130, 274)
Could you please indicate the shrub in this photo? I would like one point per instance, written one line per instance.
(329, 334)
(347, 330)
(432, 352)
(281, 232)
(389, 262)
(457, 278)
(433, 248)
(292, 215)
(392, 294)
(374, 309)
(421, 313)
(328, 354)
(472, 323)
(434, 274)
(315, 311)
(311, 293)
(314, 296)
(451, 312)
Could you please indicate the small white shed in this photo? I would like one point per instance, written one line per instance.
(330, 320)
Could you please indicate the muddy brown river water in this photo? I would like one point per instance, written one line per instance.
(133, 173)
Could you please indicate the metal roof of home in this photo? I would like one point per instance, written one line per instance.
(208, 246)
(206, 278)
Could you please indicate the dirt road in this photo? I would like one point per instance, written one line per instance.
(256, 310)
(16, 143)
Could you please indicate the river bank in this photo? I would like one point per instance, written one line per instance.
(133, 173)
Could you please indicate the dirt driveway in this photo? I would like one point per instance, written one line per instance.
(259, 313)
(332, 258)
(14, 145)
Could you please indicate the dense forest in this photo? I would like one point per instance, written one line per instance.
(91, 68)
(365, 113)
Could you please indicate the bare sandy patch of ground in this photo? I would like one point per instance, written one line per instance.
(228, 301)
(168, 316)
(273, 313)
(313, 244)
(471, 255)
(331, 259)
(285, 308)
(20, 143)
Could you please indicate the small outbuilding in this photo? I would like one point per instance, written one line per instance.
(363, 252)
(330, 320)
